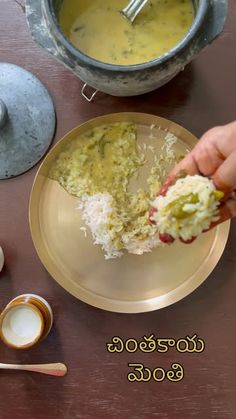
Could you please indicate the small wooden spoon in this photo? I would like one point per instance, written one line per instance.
(57, 369)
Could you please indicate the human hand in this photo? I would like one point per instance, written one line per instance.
(214, 156)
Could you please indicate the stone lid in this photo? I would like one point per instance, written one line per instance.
(27, 120)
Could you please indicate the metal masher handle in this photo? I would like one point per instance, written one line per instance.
(133, 8)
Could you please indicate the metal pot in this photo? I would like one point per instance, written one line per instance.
(127, 80)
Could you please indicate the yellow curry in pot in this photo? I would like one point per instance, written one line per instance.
(96, 28)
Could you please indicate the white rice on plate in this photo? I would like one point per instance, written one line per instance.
(100, 215)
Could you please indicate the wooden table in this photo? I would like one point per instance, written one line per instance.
(96, 386)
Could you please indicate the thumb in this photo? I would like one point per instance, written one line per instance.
(225, 176)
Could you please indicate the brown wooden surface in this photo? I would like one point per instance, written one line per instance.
(202, 96)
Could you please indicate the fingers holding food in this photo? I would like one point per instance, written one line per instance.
(188, 208)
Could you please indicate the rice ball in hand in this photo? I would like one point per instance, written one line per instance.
(188, 208)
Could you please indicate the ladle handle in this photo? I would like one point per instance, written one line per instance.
(133, 8)
(3, 114)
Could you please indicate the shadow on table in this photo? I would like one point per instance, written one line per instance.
(161, 102)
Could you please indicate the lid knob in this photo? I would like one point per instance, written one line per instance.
(3, 114)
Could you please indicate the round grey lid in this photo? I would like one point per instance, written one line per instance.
(27, 120)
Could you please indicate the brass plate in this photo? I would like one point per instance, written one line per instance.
(131, 284)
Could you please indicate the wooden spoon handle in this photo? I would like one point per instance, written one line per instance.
(56, 369)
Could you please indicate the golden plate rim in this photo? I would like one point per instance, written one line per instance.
(98, 301)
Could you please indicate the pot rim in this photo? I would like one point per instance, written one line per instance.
(92, 62)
